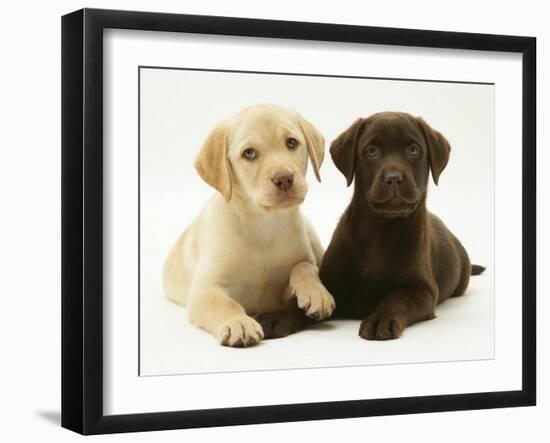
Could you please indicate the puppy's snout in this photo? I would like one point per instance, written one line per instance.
(283, 180)
(393, 178)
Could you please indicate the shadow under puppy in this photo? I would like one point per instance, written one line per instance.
(250, 252)
(390, 261)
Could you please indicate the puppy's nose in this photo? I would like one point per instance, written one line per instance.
(393, 178)
(283, 180)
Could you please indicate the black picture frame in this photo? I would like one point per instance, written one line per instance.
(82, 220)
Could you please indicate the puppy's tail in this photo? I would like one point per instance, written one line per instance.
(477, 269)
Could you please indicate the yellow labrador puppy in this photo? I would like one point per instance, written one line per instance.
(251, 252)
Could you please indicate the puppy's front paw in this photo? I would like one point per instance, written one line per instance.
(381, 326)
(276, 324)
(240, 332)
(315, 300)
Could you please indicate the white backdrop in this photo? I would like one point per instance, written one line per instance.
(30, 183)
(178, 110)
(124, 51)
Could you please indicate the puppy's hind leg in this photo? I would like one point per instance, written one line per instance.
(465, 271)
(174, 275)
(211, 309)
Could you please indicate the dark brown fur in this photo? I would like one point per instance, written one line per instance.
(285, 321)
(390, 261)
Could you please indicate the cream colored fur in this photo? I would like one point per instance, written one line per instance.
(250, 249)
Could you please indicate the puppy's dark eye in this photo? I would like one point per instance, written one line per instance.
(250, 153)
(413, 151)
(291, 143)
(371, 151)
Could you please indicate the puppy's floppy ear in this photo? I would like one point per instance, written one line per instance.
(212, 162)
(343, 149)
(439, 149)
(315, 144)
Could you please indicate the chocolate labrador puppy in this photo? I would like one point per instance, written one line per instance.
(390, 261)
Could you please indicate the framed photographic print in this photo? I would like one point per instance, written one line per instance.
(269, 221)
